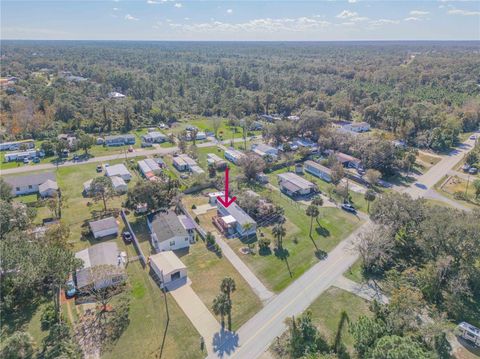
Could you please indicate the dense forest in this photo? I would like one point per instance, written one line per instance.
(426, 93)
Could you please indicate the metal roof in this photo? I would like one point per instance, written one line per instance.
(295, 179)
(117, 170)
(103, 224)
(100, 254)
(236, 212)
(167, 262)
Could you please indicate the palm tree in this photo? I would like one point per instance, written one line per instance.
(222, 306)
(318, 201)
(312, 212)
(228, 286)
(279, 232)
(370, 196)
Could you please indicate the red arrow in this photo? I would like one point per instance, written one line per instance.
(226, 202)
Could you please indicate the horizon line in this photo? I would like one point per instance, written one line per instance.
(180, 40)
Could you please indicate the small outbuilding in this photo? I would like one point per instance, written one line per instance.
(168, 268)
(104, 227)
(119, 185)
(118, 170)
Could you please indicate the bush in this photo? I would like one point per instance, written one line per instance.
(263, 244)
(49, 317)
(210, 239)
(194, 207)
(197, 220)
(460, 196)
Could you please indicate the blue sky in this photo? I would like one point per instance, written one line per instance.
(240, 20)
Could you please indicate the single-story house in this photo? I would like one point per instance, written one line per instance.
(233, 221)
(115, 94)
(262, 178)
(271, 118)
(200, 136)
(348, 161)
(149, 167)
(48, 188)
(294, 185)
(264, 150)
(119, 185)
(154, 137)
(196, 170)
(470, 333)
(179, 163)
(70, 139)
(234, 156)
(293, 118)
(118, 170)
(184, 162)
(120, 140)
(21, 155)
(16, 145)
(104, 227)
(169, 232)
(304, 142)
(318, 170)
(356, 127)
(168, 268)
(29, 183)
(102, 254)
(216, 161)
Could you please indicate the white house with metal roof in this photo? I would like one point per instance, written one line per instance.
(118, 170)
(169, 231)
(294, 185)
(234, 156)
(28, 184)
(48, 188)
(233, 221)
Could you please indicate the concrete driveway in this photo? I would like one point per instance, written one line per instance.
(198, 313)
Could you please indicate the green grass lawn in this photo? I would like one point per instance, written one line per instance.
(334, 226)
(144, 334)
(355, 272)
(357, 199)
(206, 271)
(327, 309)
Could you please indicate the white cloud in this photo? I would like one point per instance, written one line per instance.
(265, 25)
(116, 9)
(345, 14)
(418, 13)
(186, 18)
(380, 22)
(229, 11)
(153, 2)
(130, 17)
(412, 18)
(178, 5)
(463, 12)
(352, 1)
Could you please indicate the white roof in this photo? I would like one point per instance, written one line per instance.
(167, 262)
(117, 170)
(216, 194)
(87, 184)
(117, 181)
(229, 219)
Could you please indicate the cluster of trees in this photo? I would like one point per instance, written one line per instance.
(426, 101)
(222, 304)
(430, 251)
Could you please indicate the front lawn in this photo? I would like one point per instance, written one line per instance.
(278, 270)
(206, 271)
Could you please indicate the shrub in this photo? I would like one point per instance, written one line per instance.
(194, 206)
(49, 316)
(460, 196)
(263, 244)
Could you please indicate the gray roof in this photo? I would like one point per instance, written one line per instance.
(30, 180)
(103, 224)
(295, 179)
(166, 225)
(48, 185)
(100, 254)
(318, 166)
(239, 214)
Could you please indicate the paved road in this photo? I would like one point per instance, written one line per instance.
(137, 153)
(254, 337)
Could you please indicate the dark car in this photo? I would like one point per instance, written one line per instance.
(349, 208)
(473, 170)
(99, 168)
(127, 237)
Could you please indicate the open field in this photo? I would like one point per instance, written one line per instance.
(459, 185)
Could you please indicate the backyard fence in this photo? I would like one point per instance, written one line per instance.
(141, 256)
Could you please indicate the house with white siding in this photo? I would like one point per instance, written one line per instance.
(118, 170)
(30, 183)
(294, 186)
(318, 170)
(170, 232)
(234, 156)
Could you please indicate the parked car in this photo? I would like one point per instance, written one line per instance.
(127, 237)
(26, 161)
(75, 157)
(473, 137)
(473, 170)
(36, 160)
(130, 149)
(70, 289)
(99, 168)
(349, 208)
(465, 167)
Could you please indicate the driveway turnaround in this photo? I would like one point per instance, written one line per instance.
(198, 313)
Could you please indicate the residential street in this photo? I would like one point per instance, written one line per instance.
(255, 336)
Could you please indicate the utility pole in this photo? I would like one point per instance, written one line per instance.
(468, 181)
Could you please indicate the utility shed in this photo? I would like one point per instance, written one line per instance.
(104, 227)
(168, 267)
